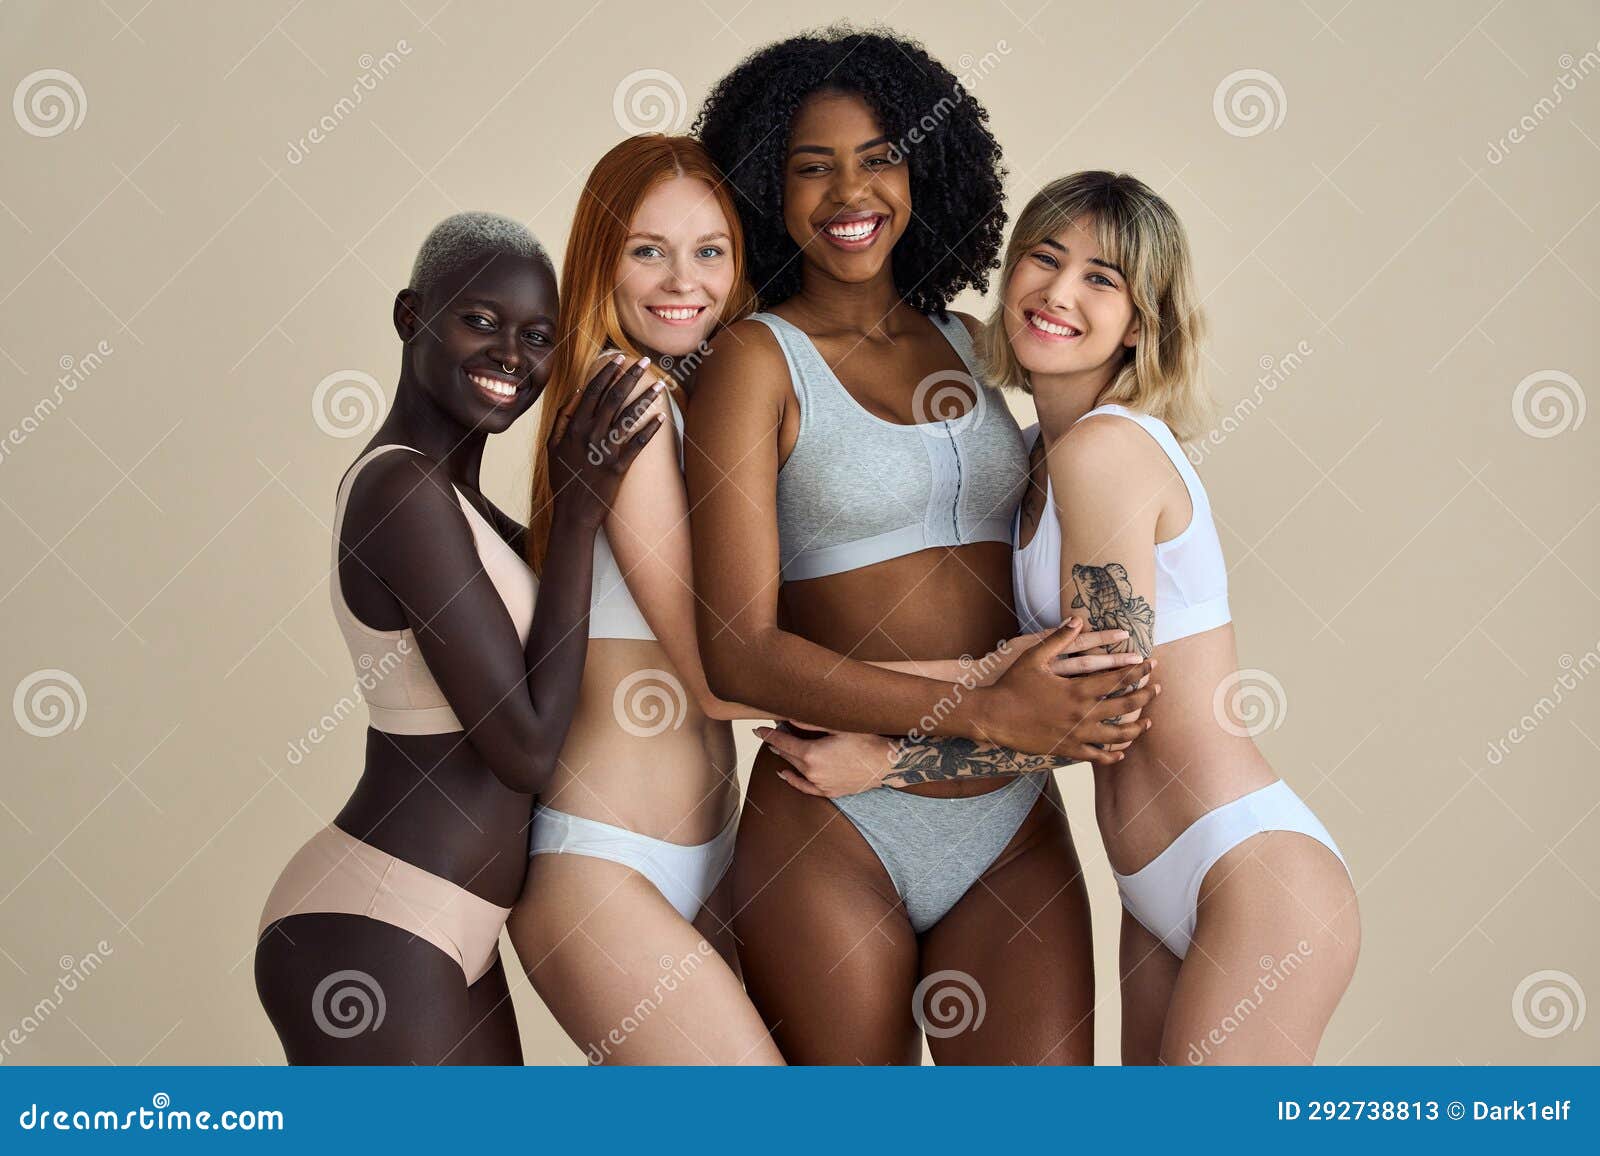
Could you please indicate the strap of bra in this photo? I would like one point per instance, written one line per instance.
(1158, 430)
(955, 332)
(806, 366)
(341, 499)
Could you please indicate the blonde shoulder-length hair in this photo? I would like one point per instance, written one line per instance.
(1139, 232)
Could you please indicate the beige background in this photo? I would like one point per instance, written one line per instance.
(1412, 544)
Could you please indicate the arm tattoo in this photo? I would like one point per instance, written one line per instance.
(1106, 597)
(929, 760)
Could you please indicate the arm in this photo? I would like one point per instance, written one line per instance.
(648, 529)
(514, 700)
(1109, 526)
(732, 454)
(845, 764)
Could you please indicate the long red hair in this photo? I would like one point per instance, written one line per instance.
(588, 322)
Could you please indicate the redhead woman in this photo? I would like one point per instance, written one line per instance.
(623, 925)
(379, 942)
(853, 482)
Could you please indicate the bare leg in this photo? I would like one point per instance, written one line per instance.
(1022, 935)
(1274, 949)
(627, 977)
(829, 956)
(345, 989)
(495, 1038)
(1149, 973)
(715, 921)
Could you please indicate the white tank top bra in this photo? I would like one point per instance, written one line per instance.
(613, 613)
(1191, 592)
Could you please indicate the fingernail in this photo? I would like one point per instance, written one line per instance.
(619, 359)
(1071, 621)
(644, 361)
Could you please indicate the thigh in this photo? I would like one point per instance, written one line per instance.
(628, 978)
(1275, 945)
(1020, 940)
(715, 921)
(346, 989)
(1149, 972)
(828, 954)
(495, 1038)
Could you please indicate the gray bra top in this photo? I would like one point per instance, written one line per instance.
(858, 490)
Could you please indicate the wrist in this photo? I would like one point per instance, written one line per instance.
(569, 515)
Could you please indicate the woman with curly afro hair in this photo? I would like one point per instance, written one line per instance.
(853, 482)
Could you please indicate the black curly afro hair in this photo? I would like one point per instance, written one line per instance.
(957, 180)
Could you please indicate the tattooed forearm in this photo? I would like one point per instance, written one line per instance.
(1106, 597)
(929, 760)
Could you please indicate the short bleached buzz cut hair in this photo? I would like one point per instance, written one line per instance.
(471, 236)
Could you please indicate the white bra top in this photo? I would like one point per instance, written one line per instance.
(1191, 577)
(612, 611)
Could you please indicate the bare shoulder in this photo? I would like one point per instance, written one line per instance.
(397, 490)
(746, 361)
(1110, 458)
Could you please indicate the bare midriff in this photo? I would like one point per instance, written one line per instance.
(640, 753)
(934, 604)
(1187, 763)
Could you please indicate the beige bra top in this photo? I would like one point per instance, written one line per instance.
(401, 696)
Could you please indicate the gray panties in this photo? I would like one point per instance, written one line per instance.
(935, 849)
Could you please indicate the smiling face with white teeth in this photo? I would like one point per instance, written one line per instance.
(482, 344)
(676, 270)
(1068, 311)
(846, 193)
